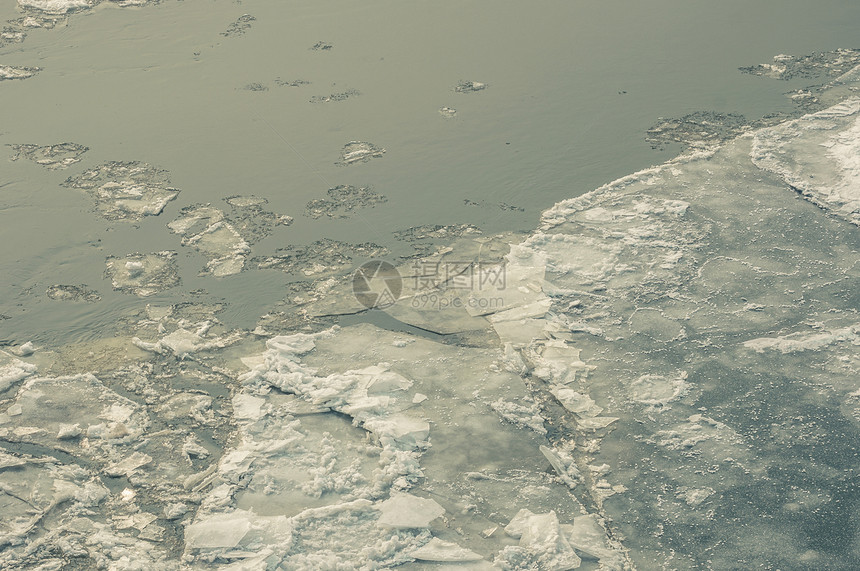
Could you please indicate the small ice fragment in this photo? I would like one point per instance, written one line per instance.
(247, 407)
(408, 511)
(14, 410)
(559, 465)
(134, 269)
(407, 431)
(419, 398)
(541, 543)
(489, 531)
(220, 530)
(26, 349)
(175, 511)
(127, 495)
(129, 464)
(596, 422)
(438, 550)
(587, 535)
(69, 431)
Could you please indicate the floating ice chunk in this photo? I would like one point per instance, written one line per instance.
(247, 407)
(403, 510)
(129, 464)
(240, 26)
(175, 511)
(520, 414)
(419, 398)
(14, 72)
(343, 201)
(535, 309)
(69, 431)
(469, 86)
(56, 6)
(72, 293)
(25, 350)
(143, 274)
(292, 345)
(49, 404)
(58, 156)
(565, 469)
(183, 342)
(323, 257)
(359, 151)
(575, 402)
(134, 268)
(14, 371)
(406, 431)
(126, 191)
(556, 361)
(207, 230)
(219, 530)
(588, 535)
(542, 544)
(438, 550)
(595, 423)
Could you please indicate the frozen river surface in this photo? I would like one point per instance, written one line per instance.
(327, 286)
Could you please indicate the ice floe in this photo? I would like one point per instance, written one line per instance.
(819, 156)
(17, 72)
(359, 152)
(470, 86)
(207, 230)
(81, 292)
(242, 24)
(343, 201)
(143, 274)
(58, 156)
(126, 190)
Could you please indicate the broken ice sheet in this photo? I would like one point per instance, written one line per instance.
(184, 342)
(17, 72)
(321, 258)
(359, 151)
(343, 201)
(446, 551)
(143, 274)
(542, 544)
(702, 129)
(58, 156)
(340, 96)
(447, 112)
(126, 190)
(240, 26)
(72, 293)
(13, 370)
(470, 86)
(205, 229)
(407, 511)
(57, 6)
(226, 238)
(831, 63)
(817, 156)
(43, 408)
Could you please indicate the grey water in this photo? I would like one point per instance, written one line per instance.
(572, 87)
